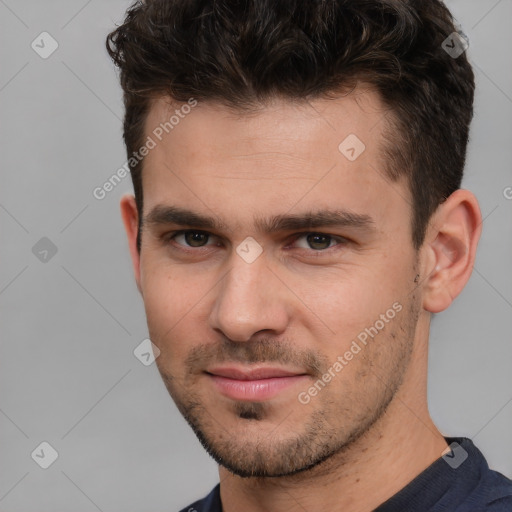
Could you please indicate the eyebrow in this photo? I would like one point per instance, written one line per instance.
(162, 215)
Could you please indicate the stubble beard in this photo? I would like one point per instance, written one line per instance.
(327, 432)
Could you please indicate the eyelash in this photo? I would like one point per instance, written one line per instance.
(170, 237)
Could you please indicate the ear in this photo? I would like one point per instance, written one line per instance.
(130, 218)
(451, 243)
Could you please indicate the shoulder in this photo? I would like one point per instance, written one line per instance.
(210, 503)
(493, 493)
(497, 492)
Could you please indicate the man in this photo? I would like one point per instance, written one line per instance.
(297, 220)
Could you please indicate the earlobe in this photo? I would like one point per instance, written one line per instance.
(453, 233)
(130, 218)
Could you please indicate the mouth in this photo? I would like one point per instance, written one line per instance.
(256, 384)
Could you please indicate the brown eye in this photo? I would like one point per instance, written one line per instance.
(318, 241)
(196, 238)
(193, 239)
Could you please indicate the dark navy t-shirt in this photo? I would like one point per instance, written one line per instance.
(460, 481)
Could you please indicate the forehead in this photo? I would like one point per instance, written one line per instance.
(268, 125)
(281, 156)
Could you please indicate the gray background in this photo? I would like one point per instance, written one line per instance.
(69, 324)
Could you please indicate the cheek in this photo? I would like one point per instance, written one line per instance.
(169, 303)
(341, 305)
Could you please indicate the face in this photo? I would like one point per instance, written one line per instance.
(277, 271)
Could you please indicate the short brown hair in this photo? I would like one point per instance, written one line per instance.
(243, 52)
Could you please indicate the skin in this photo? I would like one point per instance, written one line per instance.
(301, 303)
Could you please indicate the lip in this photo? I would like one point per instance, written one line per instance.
(257, 384)
(259, 373)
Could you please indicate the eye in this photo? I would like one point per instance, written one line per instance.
(196, 239)
(191, 238)
(318, 241)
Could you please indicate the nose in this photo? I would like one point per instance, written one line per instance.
(250, 299)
